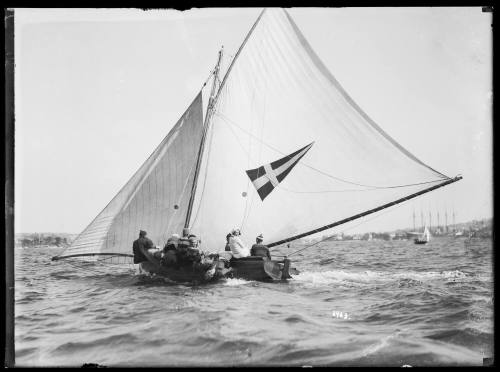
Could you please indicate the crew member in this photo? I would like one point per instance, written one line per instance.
(184, 240)
(259, 249)
(193, 251)
(238, 249)
(228, 247)
(140, 246)
(194, 242)
(169, 257)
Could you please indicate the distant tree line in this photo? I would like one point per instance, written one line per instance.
(34, 240)
(481, 232)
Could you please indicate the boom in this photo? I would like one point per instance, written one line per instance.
(352, 218)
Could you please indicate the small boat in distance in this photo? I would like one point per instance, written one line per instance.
(424, 238)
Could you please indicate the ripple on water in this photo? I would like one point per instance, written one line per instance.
(24, 352)
(468, 337)
(124, 338)
(295, 319)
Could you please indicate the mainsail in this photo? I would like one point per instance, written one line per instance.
(275, 97)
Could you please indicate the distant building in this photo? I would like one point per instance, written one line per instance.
(400, 235)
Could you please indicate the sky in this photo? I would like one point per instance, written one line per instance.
(97, 90)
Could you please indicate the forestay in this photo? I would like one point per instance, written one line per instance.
(276, 98)
(155, 199)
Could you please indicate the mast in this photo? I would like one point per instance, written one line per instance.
(414, 226)
(213, 99)
(238, 53)
(430, 220)
(422, 220)
(352, 218)
(211, 102)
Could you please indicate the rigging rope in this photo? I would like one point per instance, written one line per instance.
(349, 190)
(209, 150)
(208, 78)
(261, 141)
(82, 267)
(370, 187)
(245, 215)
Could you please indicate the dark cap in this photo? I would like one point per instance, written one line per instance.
(142, 233)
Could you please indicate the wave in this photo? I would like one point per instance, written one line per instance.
(23, 352)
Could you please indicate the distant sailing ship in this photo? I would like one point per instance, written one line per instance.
(276, 146)
(423, 238)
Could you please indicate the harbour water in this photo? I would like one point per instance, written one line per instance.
(370, 303)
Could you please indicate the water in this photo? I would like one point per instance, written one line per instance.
(354, 303)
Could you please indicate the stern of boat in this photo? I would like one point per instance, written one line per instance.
(260, 268)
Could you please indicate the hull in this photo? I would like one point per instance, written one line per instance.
(257, 268)
(185, 273)
(248, 268)
(418, 241)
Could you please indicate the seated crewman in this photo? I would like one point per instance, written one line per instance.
(194, 251)
(169, 257)
(228, 247)
(238, 248)
(260, 249)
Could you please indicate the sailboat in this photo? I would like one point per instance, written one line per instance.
(423, 238)
(272, 145)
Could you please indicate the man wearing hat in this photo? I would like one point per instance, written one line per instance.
(228, 246)
(193, 251)
(260, 249)
(140, 246)
(169, 256)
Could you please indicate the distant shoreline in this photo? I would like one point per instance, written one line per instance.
(478, 228)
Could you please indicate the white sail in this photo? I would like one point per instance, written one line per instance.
(277, 98)
(427, 234)
(155, 199)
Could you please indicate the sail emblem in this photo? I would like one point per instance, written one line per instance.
(268, 176)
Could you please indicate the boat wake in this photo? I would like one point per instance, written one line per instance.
(370, 277)
(233, 282)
